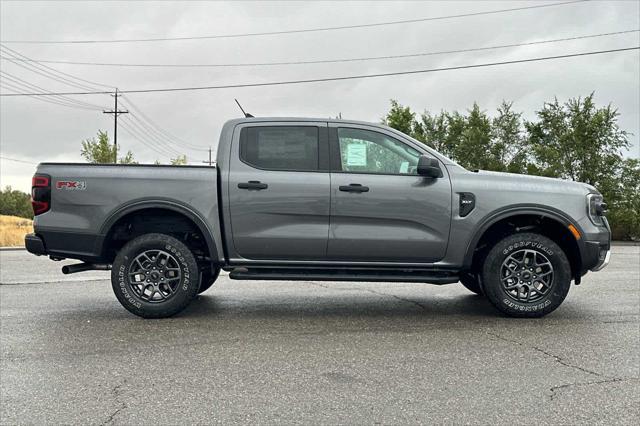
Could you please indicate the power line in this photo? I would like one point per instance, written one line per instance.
(16, 57)
(344, 78)
(298, 31)
(16, 84)
(8, 86)
(16, 160)
(159, 143)
(165, 135)
(35, 70)
(17, 81)
(143, 129)
(63, 101)
(135, 133)
(337, 60)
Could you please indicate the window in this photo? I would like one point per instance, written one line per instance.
(365, 151)
(280, 147)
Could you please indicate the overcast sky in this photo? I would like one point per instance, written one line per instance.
(34, 131)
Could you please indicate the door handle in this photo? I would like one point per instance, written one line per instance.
(253, 184)
(354, 187)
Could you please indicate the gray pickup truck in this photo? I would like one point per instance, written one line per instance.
(317, 199)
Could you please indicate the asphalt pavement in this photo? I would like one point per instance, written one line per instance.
(315, 353)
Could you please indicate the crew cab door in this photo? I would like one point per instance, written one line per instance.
(279, 191)
(381, 209)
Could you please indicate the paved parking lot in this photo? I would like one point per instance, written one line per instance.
(310, 352)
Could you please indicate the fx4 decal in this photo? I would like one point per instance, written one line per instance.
(76, 185)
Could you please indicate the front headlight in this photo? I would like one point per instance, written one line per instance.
(597, 208)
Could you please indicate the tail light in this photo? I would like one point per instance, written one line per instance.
(40, 193)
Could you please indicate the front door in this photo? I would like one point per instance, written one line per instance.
(279, 191)
(381, 209)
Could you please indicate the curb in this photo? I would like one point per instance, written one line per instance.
(11, 248)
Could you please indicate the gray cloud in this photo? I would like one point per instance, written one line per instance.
(37, 131)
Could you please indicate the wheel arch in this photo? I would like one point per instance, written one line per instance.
(547, 220)
(174, 207)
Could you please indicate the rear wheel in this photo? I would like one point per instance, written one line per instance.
(526, 275)
(155, 276)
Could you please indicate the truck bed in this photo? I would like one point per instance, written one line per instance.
(87, 199)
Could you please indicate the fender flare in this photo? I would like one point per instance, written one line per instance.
(517, 210)
(172, 205)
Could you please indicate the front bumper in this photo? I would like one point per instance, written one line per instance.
(596, 251)
(602, 263)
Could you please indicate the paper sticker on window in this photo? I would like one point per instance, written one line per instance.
(356, 154)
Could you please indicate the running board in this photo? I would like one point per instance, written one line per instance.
(377, 275)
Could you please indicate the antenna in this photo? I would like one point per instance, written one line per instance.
(247, 115)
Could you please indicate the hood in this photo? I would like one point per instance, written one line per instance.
(526, 180)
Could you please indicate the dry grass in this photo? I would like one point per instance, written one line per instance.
(13, 229)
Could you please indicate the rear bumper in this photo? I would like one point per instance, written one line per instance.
(63, 245)
(34, 244)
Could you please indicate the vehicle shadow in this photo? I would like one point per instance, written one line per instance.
(338, 306)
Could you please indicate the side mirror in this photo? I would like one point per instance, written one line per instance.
(429, 167)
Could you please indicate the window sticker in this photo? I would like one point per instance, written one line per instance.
(404, 167)
(356, 154)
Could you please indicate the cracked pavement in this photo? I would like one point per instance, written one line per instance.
(315, 352)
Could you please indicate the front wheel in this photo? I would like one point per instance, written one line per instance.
(526, 275)
(155, 276)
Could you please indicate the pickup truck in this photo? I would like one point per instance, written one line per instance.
(318, 199)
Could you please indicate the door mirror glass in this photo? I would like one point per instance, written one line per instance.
(429, 167)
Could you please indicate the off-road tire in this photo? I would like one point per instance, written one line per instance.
(471, 282)
(207, 278)
(127, 291)
(495, 264)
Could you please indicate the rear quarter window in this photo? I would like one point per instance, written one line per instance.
(292, 148)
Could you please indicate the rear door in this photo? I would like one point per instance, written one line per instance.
(279, 191)
(381, 209)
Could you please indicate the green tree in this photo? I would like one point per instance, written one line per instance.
(180, 160)
(508, 148)
(15, 203)
(433, 130)
(577, 141)
(473, 148)
(474, 140)
(621, 192)
(102, 151)
(400, 118)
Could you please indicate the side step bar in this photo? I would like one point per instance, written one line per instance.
(377, 275)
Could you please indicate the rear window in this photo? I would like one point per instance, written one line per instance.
(280, 147)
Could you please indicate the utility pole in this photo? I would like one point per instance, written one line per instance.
(208, 162)
(115, 113)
